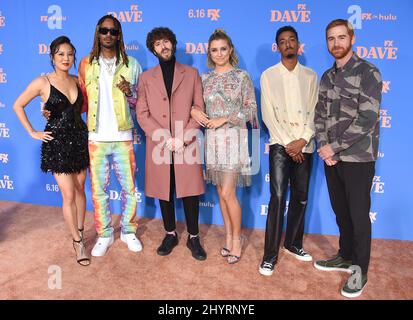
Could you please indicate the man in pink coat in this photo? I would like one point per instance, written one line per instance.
(166, 94)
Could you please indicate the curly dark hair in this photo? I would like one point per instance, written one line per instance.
(158, 34)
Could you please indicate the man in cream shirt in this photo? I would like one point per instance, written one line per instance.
(288, 98)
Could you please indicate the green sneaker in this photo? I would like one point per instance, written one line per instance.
(354, 285)
(337, 263)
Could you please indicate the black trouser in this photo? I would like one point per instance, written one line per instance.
(191, 208)
(283, 170)
(349, 186)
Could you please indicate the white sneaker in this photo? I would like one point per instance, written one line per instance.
(102, 245)
(299, 253)
(132, 241)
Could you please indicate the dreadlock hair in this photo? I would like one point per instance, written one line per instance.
(120, 45)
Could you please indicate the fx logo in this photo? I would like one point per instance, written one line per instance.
(386, 86)
(213, 14)
(4, 157)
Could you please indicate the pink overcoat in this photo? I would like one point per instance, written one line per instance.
(155, 116)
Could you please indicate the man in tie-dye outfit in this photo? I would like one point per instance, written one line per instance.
(107, 76)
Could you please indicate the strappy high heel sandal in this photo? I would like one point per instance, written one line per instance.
(224, 250)
(81, 232)
(232, 258)
(80, 250)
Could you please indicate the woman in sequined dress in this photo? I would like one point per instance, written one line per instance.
(230, 103)
(64, 150)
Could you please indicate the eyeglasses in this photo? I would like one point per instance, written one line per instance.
(113, 32)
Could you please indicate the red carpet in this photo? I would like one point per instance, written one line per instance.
(33, 238)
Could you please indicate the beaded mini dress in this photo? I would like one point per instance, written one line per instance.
(231, 95)
(68, 151)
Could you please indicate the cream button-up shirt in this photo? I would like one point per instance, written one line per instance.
(288, 100)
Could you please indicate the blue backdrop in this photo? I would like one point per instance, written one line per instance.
(383, 30)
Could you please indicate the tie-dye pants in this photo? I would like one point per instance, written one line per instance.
(123, 159)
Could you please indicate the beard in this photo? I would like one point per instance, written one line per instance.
(110, 45)
(160, 57)
(340, 52)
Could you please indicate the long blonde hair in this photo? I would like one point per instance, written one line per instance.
(220, 34)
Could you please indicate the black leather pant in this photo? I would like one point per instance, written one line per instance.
(191, 209)
(283, 170)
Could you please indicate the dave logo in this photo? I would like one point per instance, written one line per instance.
(301, 15)
(1, 48)
(4, 131)
(4, 157)
(386, 87)
(3, 76)
(118, 196)
(6, 183)
(44, 48)
(55, 18)
(380, 154)
(385, 119)
(377, 185)
(388, 51)
(134, 15)
(2, 20)
(196, 48)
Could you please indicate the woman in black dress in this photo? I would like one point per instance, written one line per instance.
(64, 150)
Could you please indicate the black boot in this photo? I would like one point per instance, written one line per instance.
(168, 243)
(196, 249)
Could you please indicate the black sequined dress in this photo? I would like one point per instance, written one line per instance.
(68, 151)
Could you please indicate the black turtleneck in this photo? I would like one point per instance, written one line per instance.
(168, 68)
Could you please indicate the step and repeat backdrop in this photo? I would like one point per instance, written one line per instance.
(383, 37)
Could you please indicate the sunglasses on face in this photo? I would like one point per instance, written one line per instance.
(113, 32)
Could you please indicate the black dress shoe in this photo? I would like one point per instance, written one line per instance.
(168, 243)
(196, 249)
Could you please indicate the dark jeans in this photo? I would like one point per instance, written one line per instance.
(283, 170)
(349, 185)
(191, 208)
